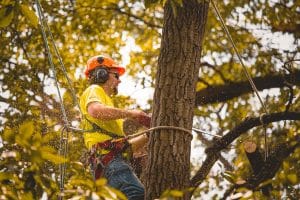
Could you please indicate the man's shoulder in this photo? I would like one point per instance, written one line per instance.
(94, 88)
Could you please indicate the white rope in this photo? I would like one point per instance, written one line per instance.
(160, 127)
(63, 140)
(70, 83)
(246, 73)
(153, 129)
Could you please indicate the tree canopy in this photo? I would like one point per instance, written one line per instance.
(266, 34)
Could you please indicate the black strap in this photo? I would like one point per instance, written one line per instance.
(98, 128)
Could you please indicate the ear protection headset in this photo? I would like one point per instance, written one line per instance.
(100, 75)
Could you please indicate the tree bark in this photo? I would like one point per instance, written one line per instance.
(174, 98)
(256, 160)
(254, 156)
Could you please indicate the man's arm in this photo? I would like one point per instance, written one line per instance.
(102, 112)
(105, 113)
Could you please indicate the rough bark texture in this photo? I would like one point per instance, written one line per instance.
(174, 98)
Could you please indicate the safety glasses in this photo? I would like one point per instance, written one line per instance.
(115, 74)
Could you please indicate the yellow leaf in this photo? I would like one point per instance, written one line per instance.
(30, 15)
(176, 193)
(26, 129)
(6, 16)
(286, 166)
(292, 178)
(54, 158)
(6, 2)
(101, 182)
(49, 154)
(8, 135)
(6, 176)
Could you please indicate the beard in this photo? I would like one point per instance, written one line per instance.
(115, 90)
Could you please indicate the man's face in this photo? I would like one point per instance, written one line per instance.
(113, 81)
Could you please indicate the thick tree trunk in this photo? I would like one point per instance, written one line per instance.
(178, 66)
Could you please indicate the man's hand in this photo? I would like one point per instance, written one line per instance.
(140, 117)
(138, 143)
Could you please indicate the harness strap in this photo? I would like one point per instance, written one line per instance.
(98, 128)
(116, 147)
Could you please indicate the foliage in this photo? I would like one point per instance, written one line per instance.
(30, 112)
(29, 168)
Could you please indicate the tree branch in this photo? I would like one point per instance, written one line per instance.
(134, 16)
(221, 93)
(213, 152)
(271, 165)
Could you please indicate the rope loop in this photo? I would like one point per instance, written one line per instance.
(161, 127)
(261, 119)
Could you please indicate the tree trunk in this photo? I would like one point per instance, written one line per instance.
(178, 68)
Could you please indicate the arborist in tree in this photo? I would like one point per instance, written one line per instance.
(106, 141)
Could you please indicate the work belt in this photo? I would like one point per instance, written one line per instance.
(99, 161)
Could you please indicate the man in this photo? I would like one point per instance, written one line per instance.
(106, 138)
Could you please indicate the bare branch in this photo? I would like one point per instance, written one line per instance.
(213, 152)
(221, 93)
(216, 70)
(271, 165)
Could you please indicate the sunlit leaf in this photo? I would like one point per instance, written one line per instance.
(6, 16)
(30, 15)
(293, 178)
(26, 129)
(48, 153)
(8, 135)
(101, 182)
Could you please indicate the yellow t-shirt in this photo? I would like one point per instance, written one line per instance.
(95, 93)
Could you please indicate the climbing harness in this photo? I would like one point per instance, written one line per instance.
(246, 73)
(99, 161)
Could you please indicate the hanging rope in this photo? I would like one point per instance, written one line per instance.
(70, 83)
(265, 135)
(63, 140)
(246, 73)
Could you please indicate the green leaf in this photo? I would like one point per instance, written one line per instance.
(54, 158)
(26, 129)
(6, 176)
(149, 3)
(176, 193)
(101, 182)
(8, 135)
(6, 16)
(292, 178)
(172, 193)
(6, 2)
(30, 15)
(49, 154)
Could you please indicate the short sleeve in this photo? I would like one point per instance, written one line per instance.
(95, 94)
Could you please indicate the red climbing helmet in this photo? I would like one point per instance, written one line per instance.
(102, 61)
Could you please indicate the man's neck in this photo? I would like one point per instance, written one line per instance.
(107, 90)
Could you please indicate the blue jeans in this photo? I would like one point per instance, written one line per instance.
(121, 176)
